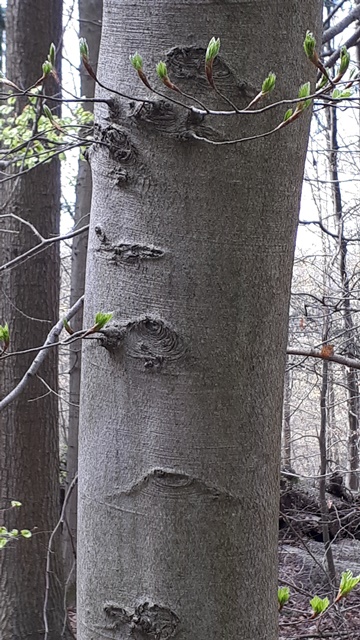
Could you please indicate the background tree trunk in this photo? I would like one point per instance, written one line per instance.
(191, 246)
(29, 456)
(90, 15)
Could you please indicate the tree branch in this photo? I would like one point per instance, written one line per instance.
(46, 242)
(311, 353)
(330, 33)
(39, 359)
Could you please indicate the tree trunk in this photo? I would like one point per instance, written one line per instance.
(191, 246)
(287, 462)
(349, 337)
(29, 456)
(90, 14)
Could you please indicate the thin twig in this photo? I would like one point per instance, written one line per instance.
(39, 359)
(49, 552)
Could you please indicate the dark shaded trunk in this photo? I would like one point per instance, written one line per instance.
(29, 456)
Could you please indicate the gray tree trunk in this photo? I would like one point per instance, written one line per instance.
(191, 246)
(29, 456)
(90, 15)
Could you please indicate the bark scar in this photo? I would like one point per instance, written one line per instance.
(126, 253)
(148, 339)
(147, 620)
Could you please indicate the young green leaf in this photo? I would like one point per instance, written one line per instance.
(136, 61)
(161, 70)
(212, 50)
(3, 542)
(344, 60)
(52, 54)
(283, 596)
(46, 68)
(319, 605)
(101, 319)
(269, 83)
(304, 90)
(347, 583)
(288, 114)
(309, 45)
(15, 503)
(84, 49)
(26, 533)
(5, 334)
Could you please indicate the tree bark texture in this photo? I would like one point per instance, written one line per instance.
(191, 246)
(29, 457)
(90, 15)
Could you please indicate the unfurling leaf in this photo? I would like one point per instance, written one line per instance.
(84, 49)
(347, 583)
(283, 596)
(161, 70)
(136, 61)
(319, 605)
(101, 319)
(268, 84)
(212, 50)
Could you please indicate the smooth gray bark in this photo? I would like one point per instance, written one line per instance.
(29, 448)
(191, 246)
(90, 15)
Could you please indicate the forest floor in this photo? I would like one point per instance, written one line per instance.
(301, 568)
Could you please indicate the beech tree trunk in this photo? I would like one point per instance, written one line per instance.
(29, 452)
(90, 15)
(191, 246)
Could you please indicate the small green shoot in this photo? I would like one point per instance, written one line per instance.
(347, 584)
(161, 70)
(101, 319)
(310, 46)
(84, 49)
(212, 50)
(4, 336)
(136, 61)
(319, 605)
(283, 596)
(269, 84)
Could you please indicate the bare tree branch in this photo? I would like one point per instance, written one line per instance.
(39, 359)
(312, 353)
(46, 242)
(330, 33)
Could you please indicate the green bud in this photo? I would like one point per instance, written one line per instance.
(212, 50)
(288, 114)
(136, 61)
(319, 605)
(84, 49)
(13, 533)
(304, 90)
(161, 70)
(52, 54)
(344, 60)
(283, 596)
(101, 319)
(347, 583)
(309, 45)
(3, 542)
(15, 503)
(5, 334)
(46, 68)
(26, 533)
(269, 83)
